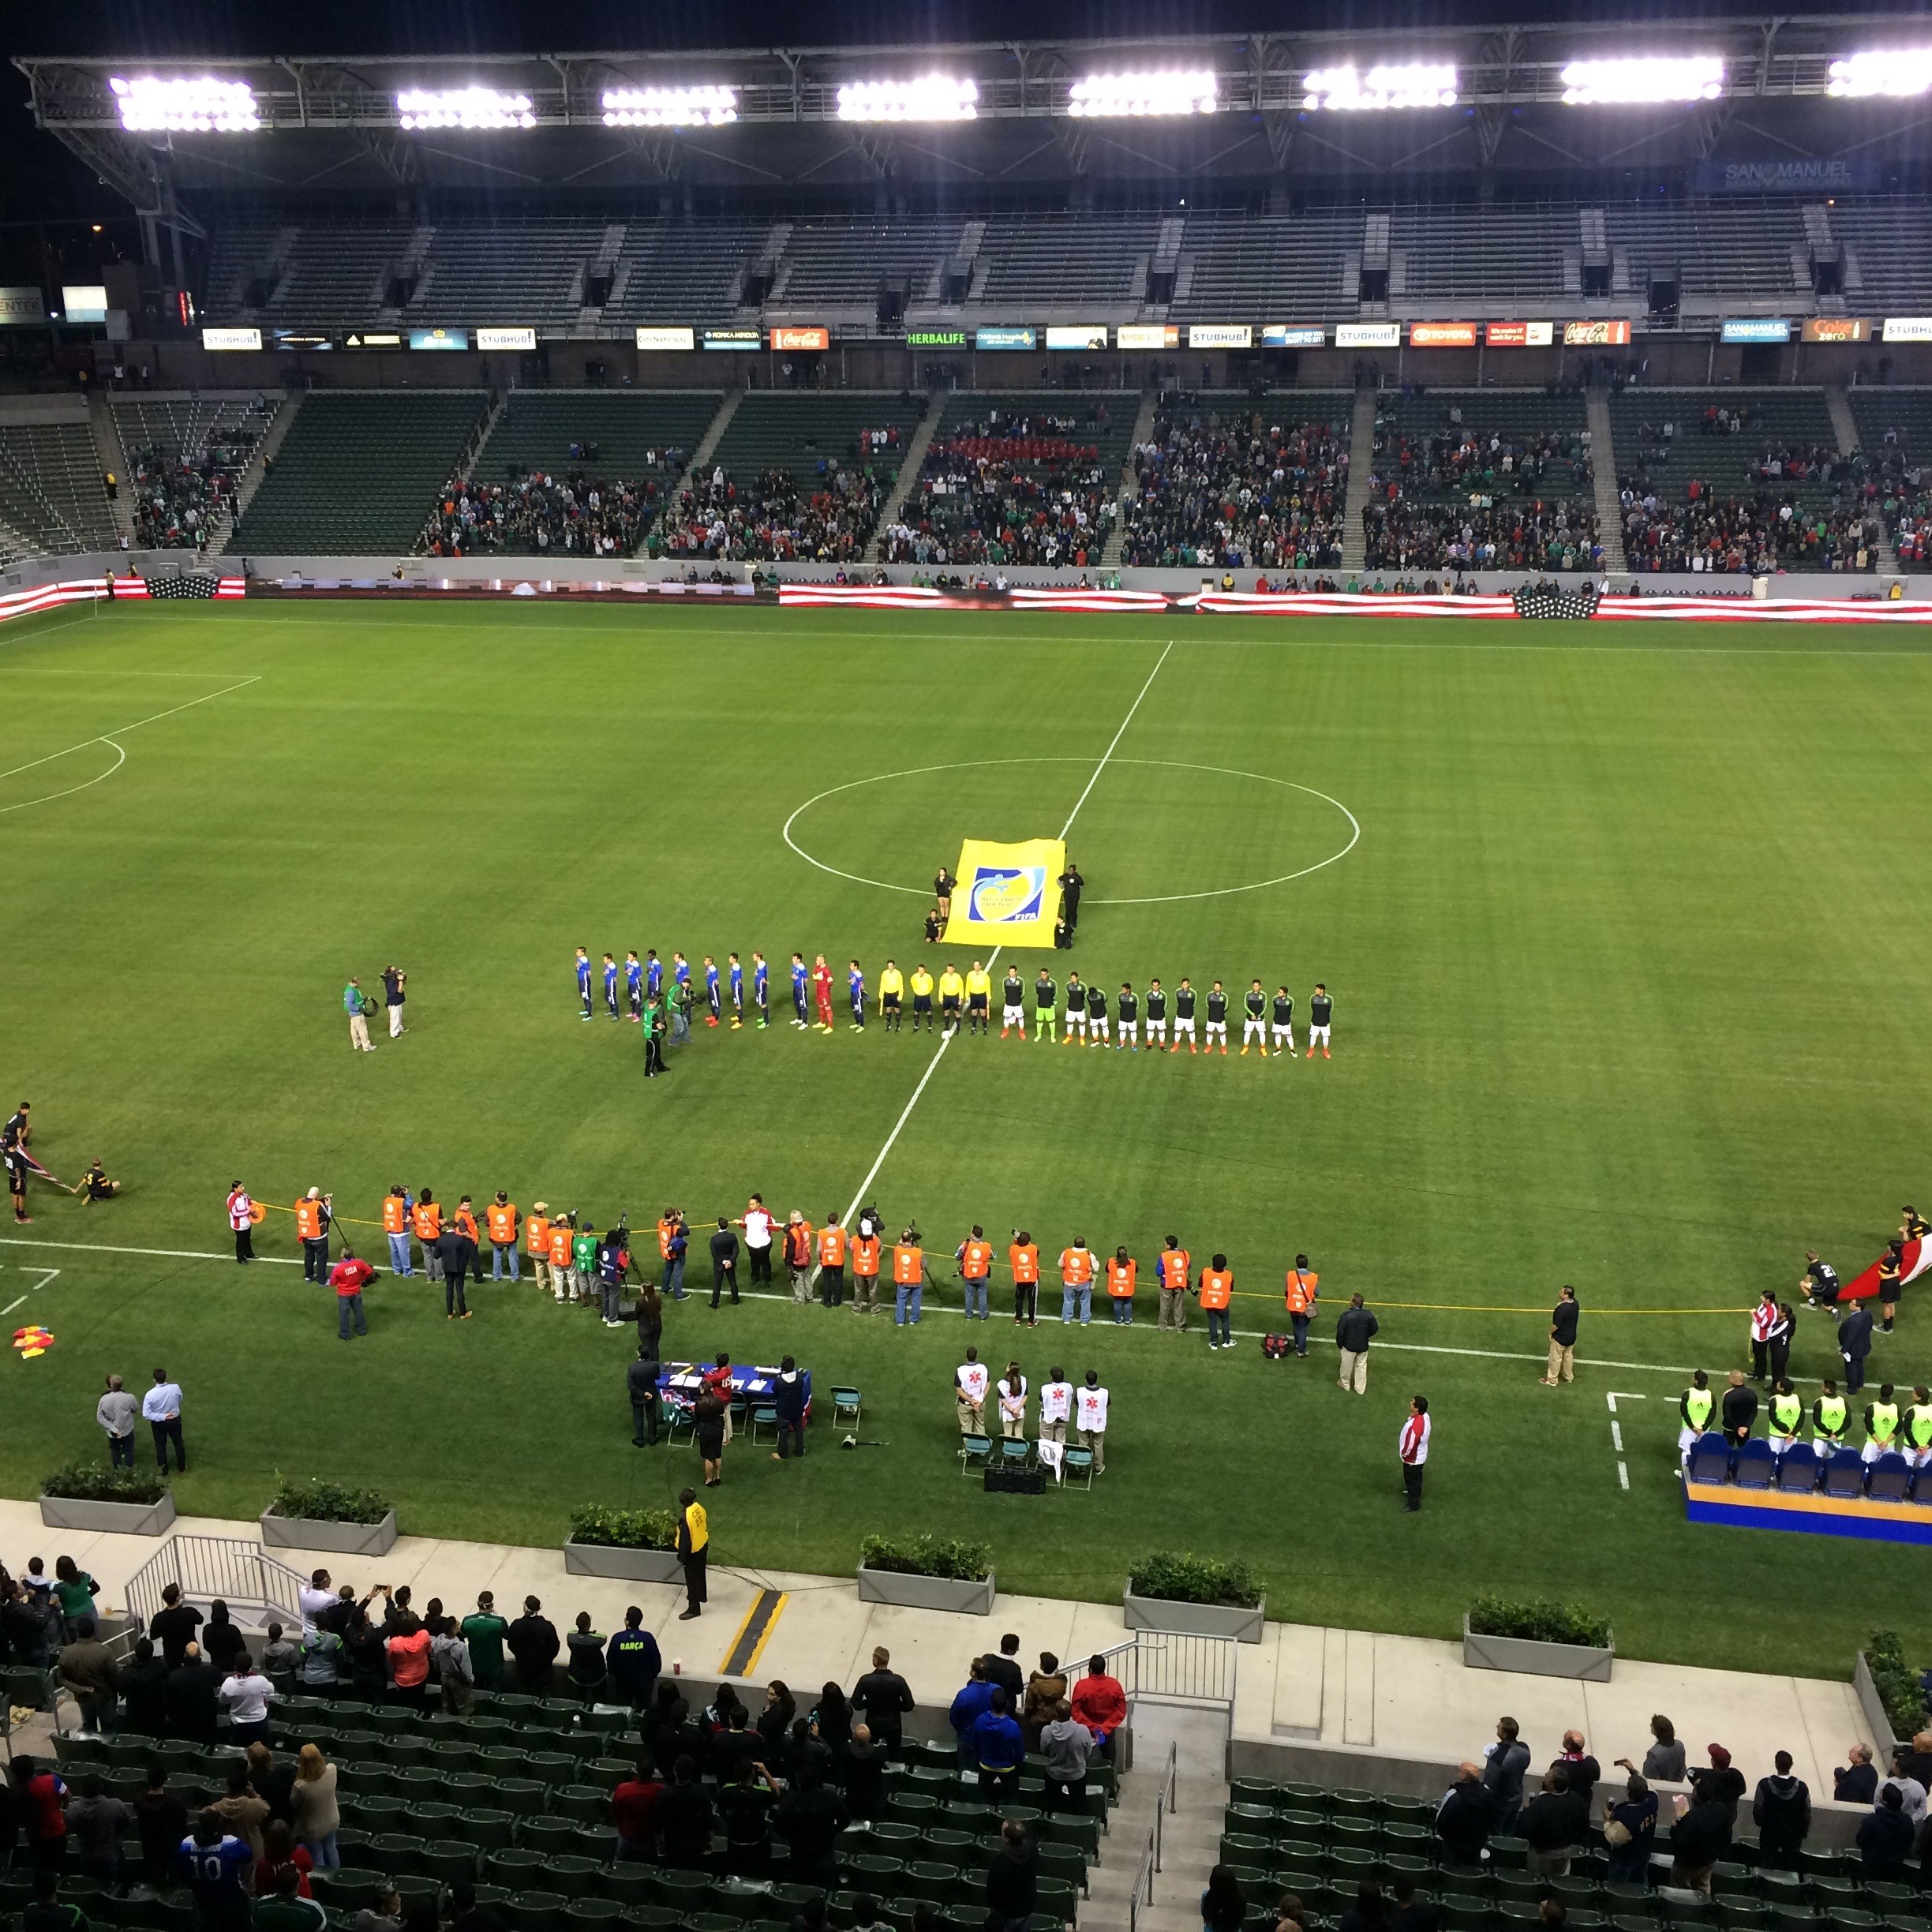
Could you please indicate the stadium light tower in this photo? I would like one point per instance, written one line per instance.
(932, 97)
(463, 107)
(672, 106)
(1643, 80)
(1409, 84)
(178, 104)
(1897, 74)
(1105, 97)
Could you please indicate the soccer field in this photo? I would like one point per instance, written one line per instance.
(1630, 971)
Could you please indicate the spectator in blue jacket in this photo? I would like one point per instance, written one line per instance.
(973, 1702)
(1000, 1746)
(1884, 1837)
(634, 1661)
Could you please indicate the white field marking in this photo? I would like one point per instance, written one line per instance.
(858, 1199)
(47, 798)
(12, 1306)
(1612, 1397)
(154, 719)
(1219, 891)
(1616, 1437)
(1143, 1328)
(46, 1274)
(1622, 1476)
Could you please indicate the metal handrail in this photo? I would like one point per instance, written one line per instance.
(1166, 1802)
(254, 1584)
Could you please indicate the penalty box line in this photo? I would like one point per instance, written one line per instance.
(1393, 1348)
(932, 1066)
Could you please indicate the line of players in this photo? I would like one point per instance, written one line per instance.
(954, 999)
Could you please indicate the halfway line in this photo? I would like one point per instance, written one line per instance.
(858, 1200)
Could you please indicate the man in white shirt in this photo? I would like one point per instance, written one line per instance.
(246, 1692)
(161, 1406)
(757, 1222)
(1412, 1446)
(969, 1381)
(1056, 1398)
(1091, 1412)
(317, 1596)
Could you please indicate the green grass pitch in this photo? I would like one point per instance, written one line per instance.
(1629, 966)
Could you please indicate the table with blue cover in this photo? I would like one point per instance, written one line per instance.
(679, 1384)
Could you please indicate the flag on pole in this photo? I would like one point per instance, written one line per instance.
(1007, 895)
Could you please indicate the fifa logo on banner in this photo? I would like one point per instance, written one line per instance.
(1006, 895)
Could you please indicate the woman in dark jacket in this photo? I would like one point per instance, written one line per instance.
(774, 1721)
(1223, 1906)
(1636, 1812)
(650, 1321)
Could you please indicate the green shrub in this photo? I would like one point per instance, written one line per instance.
(87, 1482)
(314, 1500)
(1538, 1620)
(624, 1529)
(1179, 1578)
(1896, 1684)
(951, 1557)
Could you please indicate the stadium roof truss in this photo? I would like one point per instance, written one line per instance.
(341, 127)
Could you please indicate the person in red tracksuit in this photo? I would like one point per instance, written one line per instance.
(1100, 1704)
(822, 991)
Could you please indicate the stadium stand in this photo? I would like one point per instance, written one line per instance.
(1477, 260)
(1895, 440)
(517, 273)
(1723, 254)
(1888, 244)
(336, 272)
(684, 272)
(1233, 482)
(1494, 478)
(1279, 268)
(1016, 479)
(1732, 479)
(793, 476)
(185, 458)
(833, 266)
(358, 470)
(1076, 265)
(621, 433)
(51, 490)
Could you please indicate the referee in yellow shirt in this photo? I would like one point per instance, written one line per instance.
(892, 996)
(952, 988)
(922, 996)
(979, 1000)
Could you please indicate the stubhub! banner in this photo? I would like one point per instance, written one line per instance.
(1007, 895)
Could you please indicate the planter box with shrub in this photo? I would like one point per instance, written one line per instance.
(927, 1573)
(1539, 1639)
(1196, 1596)
(317, 1515)
(85, 1496)
(1889, 1695)
(637, 1546)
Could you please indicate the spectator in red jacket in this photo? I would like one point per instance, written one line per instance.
(1100, 1704)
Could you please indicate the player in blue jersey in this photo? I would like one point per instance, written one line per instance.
(633, 985)
(713, 999)
(761, 990)
(856, 988)
(653, 972)
(610, 985)
(737, 991)
(583, 980)
(799, 975)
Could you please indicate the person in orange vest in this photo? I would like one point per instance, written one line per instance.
(797, 1254)
(831, 1260)
(312, 1227)
(1023, 1256)
(502, 1218)
(974, 1256)
(1300, 1296)
(1217, 1291)
(562, 1284)
(1175, 1280)
(537, 1243)
(1077, 1271)
(1121, 1272)
(865, 1268)
(395, 1219)
(466, 1220)
(673, 1246)
(909, 1277)
(426, 1224)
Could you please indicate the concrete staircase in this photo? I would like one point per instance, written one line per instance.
(701, 457)
(1844, 425)
(909, 468)
(1190, 1834)
(1604, 468)
(1142, 433)
(108, 455)
(1361, 460)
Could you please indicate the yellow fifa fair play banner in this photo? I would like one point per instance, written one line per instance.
(1007, 895)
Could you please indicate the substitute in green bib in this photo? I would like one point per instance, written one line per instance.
(1881, 1425)
(1831, 1415)
(1695, 1406)
(1787, 1418)
(1918, 1444)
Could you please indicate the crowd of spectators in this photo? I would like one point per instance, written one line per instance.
(179, 497)
(774, 518)
(1898, 486)
(1238, 492)
(1024, 487)
(1454, 459)
(1405, 533)
(574, 516)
